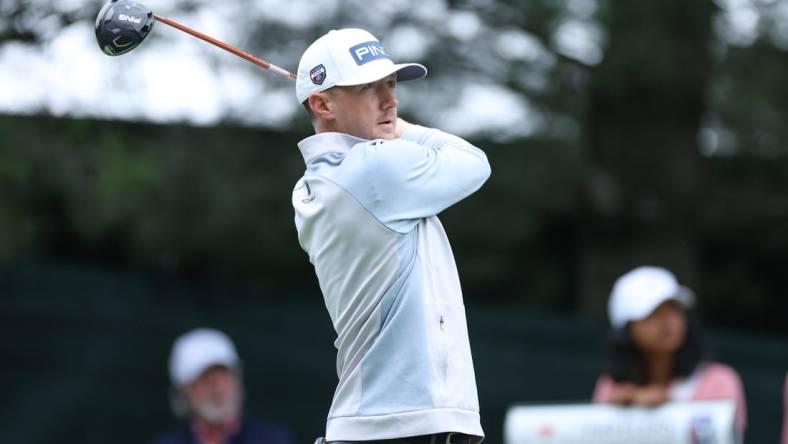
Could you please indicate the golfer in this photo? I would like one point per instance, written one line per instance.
(365, 212)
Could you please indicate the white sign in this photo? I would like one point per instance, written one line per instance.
(692, 422)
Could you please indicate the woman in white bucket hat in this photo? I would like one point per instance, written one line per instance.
(655, 354)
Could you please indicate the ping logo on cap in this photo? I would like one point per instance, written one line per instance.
(318, 74)
(367, 52)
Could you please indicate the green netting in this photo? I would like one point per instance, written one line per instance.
(85, 352)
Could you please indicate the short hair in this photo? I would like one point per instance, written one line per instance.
(308, 110)
(305, 103)
(627, 363)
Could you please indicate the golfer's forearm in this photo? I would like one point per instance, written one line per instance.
(467, 163)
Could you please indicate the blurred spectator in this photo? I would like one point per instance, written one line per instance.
(655, 354)
(207, 394)
(785, 411)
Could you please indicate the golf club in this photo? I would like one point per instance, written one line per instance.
(122, 25)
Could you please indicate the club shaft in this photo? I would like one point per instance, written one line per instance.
(240, 53)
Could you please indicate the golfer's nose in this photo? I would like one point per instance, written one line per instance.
(388, 97)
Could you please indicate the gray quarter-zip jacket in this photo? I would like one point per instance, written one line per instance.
(366, 214)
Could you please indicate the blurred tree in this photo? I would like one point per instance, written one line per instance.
(748, 96)
(647, 103)
(36, 22)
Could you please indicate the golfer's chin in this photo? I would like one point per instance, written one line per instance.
(385, 130)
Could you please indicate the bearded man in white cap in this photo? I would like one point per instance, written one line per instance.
(205, 371)
(366, 214)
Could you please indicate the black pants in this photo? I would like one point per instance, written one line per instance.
(438, 438)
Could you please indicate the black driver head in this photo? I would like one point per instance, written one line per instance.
(121, 25)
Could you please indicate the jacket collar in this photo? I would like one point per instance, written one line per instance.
(315, 146)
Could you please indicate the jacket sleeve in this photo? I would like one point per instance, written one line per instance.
(423, 173)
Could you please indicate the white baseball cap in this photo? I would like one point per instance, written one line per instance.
(196, 351)
(348, 57)
(638, 293)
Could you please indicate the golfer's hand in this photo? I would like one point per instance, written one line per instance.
(400, 128)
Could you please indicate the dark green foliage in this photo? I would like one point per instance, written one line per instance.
(216, 203)
(188, 200)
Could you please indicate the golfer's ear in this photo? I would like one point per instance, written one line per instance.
(321, 105)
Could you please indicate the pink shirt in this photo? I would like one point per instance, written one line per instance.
(711, 380)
